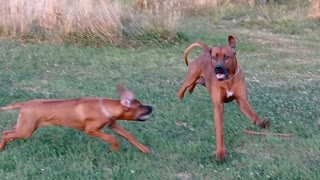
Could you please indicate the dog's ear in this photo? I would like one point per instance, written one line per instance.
(210, 51)
(126, 103)
(126, 96)
(232, 43)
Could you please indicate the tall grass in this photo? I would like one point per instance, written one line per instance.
(131, 22)
(84, 21)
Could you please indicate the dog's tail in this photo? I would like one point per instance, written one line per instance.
(13, 106)
(204, 47)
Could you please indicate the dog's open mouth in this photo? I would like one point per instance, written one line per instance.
(221, 72)
(144, 117)
(220, 76)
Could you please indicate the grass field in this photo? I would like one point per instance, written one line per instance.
(281, 62)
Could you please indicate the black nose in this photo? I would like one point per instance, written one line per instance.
(149, 108)
(219, 68)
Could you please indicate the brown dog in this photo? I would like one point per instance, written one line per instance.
(218, 70)
(84, 114)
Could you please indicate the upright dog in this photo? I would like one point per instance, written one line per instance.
(84, 114)
(217, 69)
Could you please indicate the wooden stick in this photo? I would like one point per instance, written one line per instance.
(254, 133)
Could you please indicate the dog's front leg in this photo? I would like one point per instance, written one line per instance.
(218, 123)
(128, 136)
(247, 110)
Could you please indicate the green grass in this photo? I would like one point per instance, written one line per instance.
(283, 77)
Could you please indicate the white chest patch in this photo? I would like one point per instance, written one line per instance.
(229, 93)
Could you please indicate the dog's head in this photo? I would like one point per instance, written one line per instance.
(132, 108)
(223, 59)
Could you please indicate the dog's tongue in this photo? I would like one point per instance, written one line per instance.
(220, 76)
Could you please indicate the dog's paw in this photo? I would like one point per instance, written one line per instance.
(144, 149)
(264, 124)
(180, 96)
(221, 156)
(115, 147)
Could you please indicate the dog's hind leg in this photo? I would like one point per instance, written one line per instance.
(193, 75)
(200, 81)
(19, 131)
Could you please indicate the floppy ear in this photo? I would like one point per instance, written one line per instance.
(126, 96)
(232, 43)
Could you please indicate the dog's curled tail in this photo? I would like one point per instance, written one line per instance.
(204, 47)
(12, 106)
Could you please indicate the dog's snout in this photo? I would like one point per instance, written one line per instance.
(146, 113)
(219, 68)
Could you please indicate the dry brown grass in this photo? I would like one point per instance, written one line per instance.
(95, 21)
(25, 17)
(104, 21)
(100, 22)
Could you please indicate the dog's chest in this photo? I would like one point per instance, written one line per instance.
(229, 96)
(229, 93)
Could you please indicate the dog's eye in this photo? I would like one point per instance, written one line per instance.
(225, 57)
(214, 57)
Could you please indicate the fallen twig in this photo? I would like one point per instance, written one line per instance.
(254, 133)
